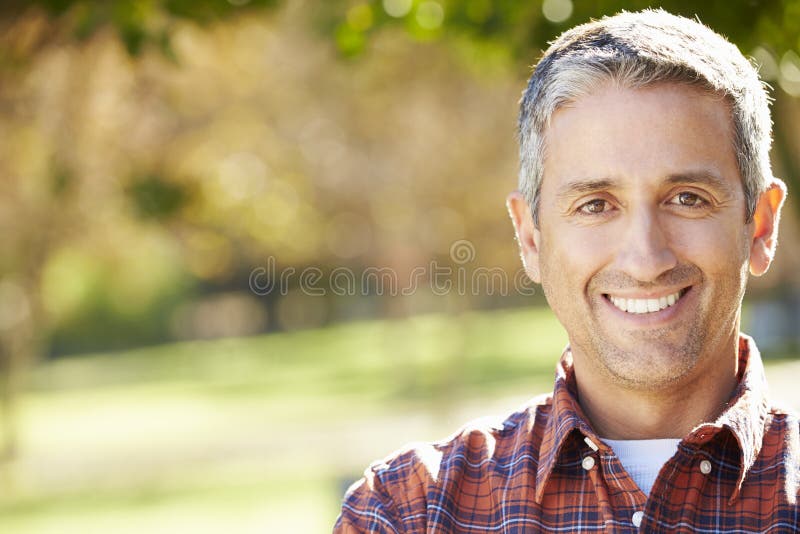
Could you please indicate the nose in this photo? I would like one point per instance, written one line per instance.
(644, 249)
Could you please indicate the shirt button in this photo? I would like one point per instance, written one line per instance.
(588, 462)
(637, 518)
(705, 467)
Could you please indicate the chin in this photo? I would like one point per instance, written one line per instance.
(652, 381)
(649, 368)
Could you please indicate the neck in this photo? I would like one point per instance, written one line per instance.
(619, 411)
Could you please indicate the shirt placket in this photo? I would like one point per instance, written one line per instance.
(621, 502)
(696, 467)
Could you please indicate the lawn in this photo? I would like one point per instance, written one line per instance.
(259, 434)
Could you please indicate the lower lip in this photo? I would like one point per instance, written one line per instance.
(656, 318)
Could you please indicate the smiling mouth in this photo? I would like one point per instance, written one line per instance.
(638, 306)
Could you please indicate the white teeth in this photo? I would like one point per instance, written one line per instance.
(645, 305)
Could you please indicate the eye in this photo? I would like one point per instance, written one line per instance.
(594, 207)
(689, 200)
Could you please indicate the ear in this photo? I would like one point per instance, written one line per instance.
(528, 236)
(765, 227)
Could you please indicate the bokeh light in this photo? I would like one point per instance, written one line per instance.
(557, 10)
(430, 14)
(397, 8)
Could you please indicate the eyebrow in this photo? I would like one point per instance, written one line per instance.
(581, 187)
(701, 177)
(584, 186)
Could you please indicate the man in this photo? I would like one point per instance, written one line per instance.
(645, 197)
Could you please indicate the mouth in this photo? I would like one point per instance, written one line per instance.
(647, 305)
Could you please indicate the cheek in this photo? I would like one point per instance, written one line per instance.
(570, 259)
(588, 247)
(719, 250)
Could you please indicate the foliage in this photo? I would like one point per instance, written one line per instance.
(521, 27)
(525, 27)
(156, 198)
(138, 23)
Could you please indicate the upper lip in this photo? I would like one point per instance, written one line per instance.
(655, 294)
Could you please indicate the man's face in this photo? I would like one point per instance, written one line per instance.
(642, 248)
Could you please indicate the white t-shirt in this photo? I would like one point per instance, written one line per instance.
(643, 458)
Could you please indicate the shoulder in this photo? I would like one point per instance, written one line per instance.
(480, 440)
(398, 489)
(782, 417)
(781, 441)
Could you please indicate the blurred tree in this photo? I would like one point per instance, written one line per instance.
(50, 196)
(200, 147)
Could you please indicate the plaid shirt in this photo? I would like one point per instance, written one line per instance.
(544, 469)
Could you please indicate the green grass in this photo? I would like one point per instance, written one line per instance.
(240, 435)
(261, 434)
(239, 507)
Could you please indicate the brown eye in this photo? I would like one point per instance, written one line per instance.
(595, 206)
(689, 199)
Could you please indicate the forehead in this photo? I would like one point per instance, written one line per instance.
(641, 135)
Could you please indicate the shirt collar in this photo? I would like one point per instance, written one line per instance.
(744, 418)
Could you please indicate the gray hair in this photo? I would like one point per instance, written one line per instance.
(636, 50)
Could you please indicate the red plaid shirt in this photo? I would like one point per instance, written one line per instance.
(538, 470)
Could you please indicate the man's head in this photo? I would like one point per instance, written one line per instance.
(637, 50)
(644, 154)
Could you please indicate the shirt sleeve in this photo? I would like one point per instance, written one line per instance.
(368, 507)
(393, 495)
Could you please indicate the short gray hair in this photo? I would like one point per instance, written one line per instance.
(636, 50)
